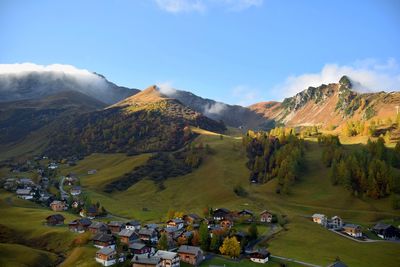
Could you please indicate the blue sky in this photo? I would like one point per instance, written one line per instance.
(236, 51)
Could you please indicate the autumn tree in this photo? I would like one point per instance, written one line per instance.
(230, 247)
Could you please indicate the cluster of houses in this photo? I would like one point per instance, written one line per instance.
(26, 189)
(118, 241)
(384, 231)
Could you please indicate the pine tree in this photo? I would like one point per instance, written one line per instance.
(163, 242)
(215, 242)
(204, 236)
(253, 231)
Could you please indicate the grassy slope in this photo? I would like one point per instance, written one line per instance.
(14, 255)
(212, 185)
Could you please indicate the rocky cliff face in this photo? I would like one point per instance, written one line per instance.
(331, 104)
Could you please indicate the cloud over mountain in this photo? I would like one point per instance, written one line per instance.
(30, 81)
(367, 76)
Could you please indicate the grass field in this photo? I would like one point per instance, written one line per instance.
(212, 185)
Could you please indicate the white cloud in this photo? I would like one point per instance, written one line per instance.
(178, 6)
(214, 109)
(368, 75)
(200, 6)
(166, 88)
(245, 95)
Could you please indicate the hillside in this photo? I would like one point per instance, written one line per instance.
(330, 105)
(18, 119)
(212, 185)
(37, 84)
(145, 122)
(231, 115)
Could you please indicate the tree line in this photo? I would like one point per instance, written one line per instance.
(368, 171)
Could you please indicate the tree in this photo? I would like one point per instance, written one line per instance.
(204, 236)
(163, 242)
(230, 247)
(195, 238)
(253, 231)
(215, 242)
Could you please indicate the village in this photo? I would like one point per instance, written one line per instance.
(182, 238)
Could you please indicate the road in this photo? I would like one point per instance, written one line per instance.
(64, 195)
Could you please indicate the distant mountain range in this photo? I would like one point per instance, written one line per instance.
(36, 85)
(80, 113)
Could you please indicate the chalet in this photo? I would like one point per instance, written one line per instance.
(386, 231)
(76, 191)
(102, 240)
(148, 235)
(320, 219)
(139, 248)
(127, 236)
(168, 258)
(226, 223)
(98, 227)
(133, 225)
(146, 261)
(107, 256)
(178, 223)
(265, 216)
(57, 205)
(70, 179)
(245, 213)
(336, 222)
(353, 230)
(55, 219)
(260, 256)
(26, 194)
(79, 225)
(172, 232)
(92, 212)
(192, 218)
(220, 214)
(115, 227)
(190, 254)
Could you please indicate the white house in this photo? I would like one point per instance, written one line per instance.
(260, 256)
(320, 219)
(336, 222)
(25, 193)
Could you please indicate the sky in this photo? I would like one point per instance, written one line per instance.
(235, 51)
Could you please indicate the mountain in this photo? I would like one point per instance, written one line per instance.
(330, 105)
(20, 118)
(231, 115)
(38, 84)
(146, 122)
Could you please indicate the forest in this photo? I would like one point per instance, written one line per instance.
(277, 154)
(370, 170)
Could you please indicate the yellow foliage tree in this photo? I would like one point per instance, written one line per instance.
(230, 247)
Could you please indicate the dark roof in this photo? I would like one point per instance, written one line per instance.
(176, 221)
(193, 216)
(92, 209)
(381, 226)
(106, 251)
(351, 226)
(260, 254)
(103, 237)
(144, 231)
(246, 212)
(115, 223)
(223, 210)
(133, 223)
(146, 259)
(127, 233)
(97, 225)
(337, 264)
(189, 250)
(137, 245)
(265, 211)
(57, 217)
